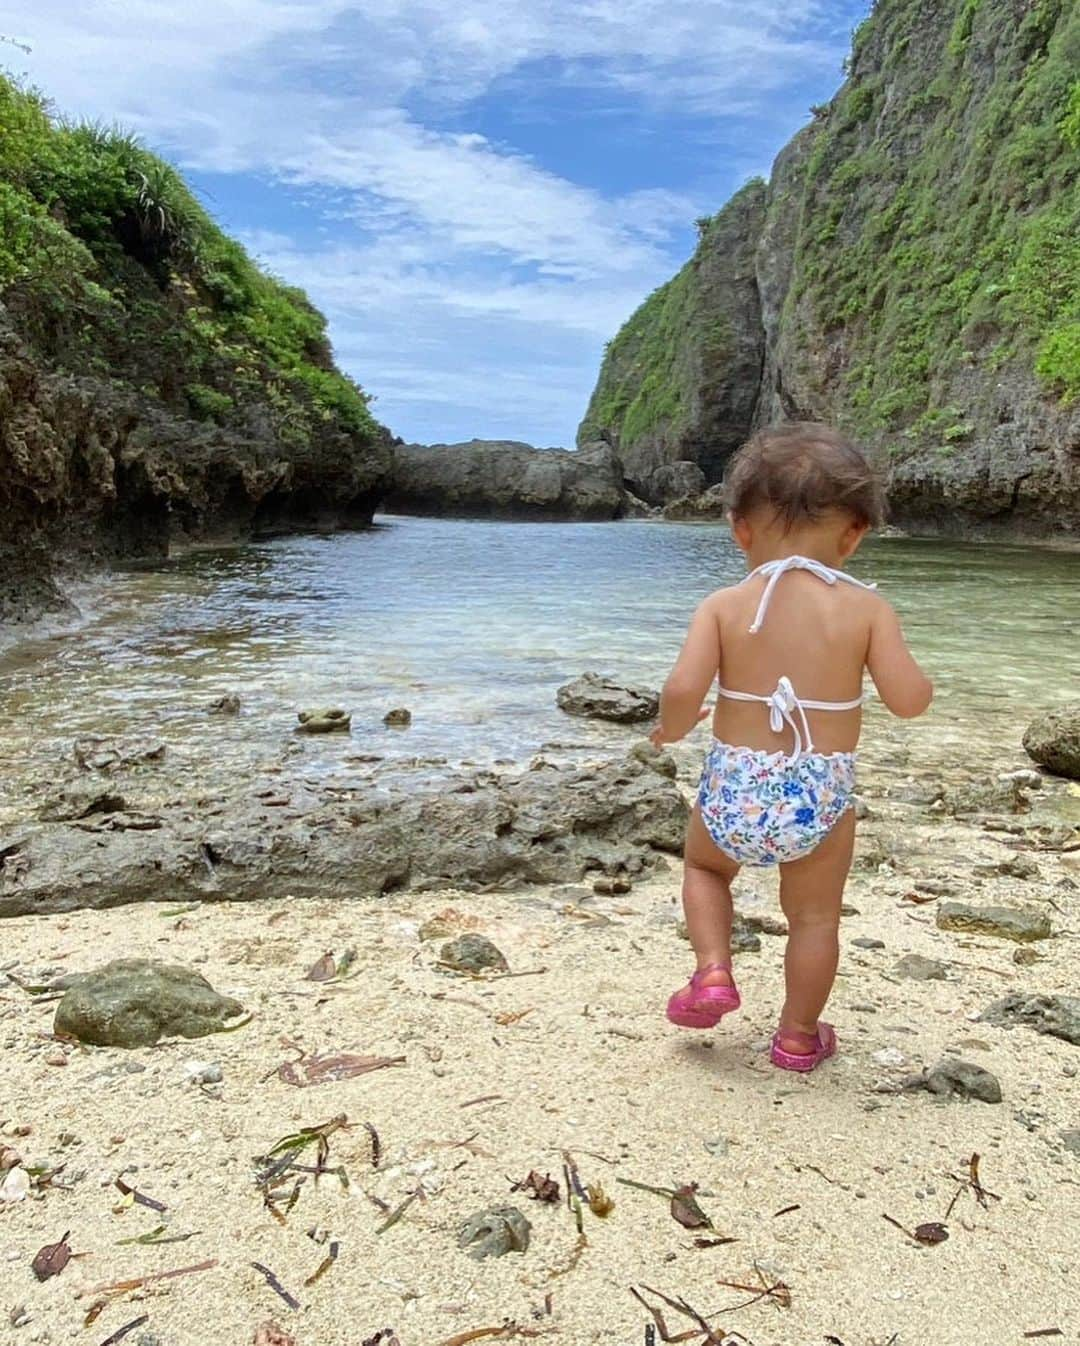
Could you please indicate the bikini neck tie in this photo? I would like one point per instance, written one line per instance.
(774, 569)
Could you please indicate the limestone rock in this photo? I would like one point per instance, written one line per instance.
(81, 799)
(708, 506)
(955, 1077)
(1056, 1015)
(494, 1233)
(1053, 740)
(989, 796)
(330, 720)
(132, 1002)
(596, 697)
(674, 481)
(659, 759)
(114, 754)
(473, 953)
(507, 479)
(1022, 924)
(917, 968)
(398, 718)
(478, 829)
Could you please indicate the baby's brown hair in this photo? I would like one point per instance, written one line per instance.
(801, 471)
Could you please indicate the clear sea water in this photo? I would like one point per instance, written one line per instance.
(473, 626)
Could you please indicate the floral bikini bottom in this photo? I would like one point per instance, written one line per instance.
(762, 808)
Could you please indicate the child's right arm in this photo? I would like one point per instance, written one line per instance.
(901, 683)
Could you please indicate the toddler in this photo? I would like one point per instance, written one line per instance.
(789, 645)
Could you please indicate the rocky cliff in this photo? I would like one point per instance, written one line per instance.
(155, 385)
(911, 272)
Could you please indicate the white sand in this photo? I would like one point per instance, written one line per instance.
(592, 1066)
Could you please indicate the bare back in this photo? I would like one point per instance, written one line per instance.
(815, 634)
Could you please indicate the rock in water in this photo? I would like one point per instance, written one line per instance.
(495, 1232)
(963, 1079)
(473, 953)
(398, 718)
(599, 698)
(228, 704)
(1056, 1015)
(132, 1002)
(1053, 740)
(1022, 924)
(917, 968)
(324, 721)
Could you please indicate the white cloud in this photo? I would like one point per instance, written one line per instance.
(447, 247)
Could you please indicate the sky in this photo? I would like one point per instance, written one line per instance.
(477, 193)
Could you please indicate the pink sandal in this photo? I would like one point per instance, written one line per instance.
(822, 1045)
(698, 1006)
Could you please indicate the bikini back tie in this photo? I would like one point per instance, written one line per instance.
(783, 703)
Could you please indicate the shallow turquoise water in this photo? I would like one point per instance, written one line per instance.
(474, 625)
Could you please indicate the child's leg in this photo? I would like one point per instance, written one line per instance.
(811, 891)
(706, 895)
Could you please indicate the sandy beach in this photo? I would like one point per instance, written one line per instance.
(568, 1056)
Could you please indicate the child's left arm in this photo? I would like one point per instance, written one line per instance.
(688, 682)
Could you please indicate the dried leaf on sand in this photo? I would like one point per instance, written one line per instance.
(685, 1208)
(52, 1259)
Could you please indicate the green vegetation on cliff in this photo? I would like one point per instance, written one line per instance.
(916, 266)
(941, 216)
(697, 333)
(109, 266)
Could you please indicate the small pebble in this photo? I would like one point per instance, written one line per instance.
(867, 942)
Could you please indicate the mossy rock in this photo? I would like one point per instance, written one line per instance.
(132, 1002)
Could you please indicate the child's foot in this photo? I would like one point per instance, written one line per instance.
(794, 1050)
(705, 999)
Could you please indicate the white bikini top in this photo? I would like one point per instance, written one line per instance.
(783, 704)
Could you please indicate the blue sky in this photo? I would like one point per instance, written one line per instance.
(476, 192)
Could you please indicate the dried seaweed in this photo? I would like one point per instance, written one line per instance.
(544, 1189)
(158, 1236)
(140, 1198)
(138, 1282)
(122, 1332)
(506, 1332)
(376, 1144)
(275, 1285)
(396, 1215)
(325, 1265)
(312, 1070)
(711, 1337)
(599, 1202)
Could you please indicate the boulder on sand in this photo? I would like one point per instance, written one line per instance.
(596, 697)
(1053, 740)
(132, 1002)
